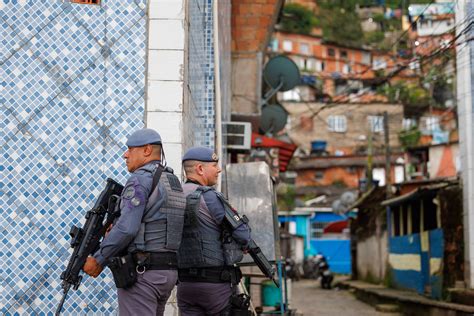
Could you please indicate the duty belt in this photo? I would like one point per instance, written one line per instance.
(210, 275)
(155, 260)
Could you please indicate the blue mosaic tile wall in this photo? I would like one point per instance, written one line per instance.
(72, 88)
(200, 112)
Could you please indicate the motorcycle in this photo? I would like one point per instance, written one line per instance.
(310, 267)
(292, 269)
(325, 274)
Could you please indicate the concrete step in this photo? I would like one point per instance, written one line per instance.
(387, 308)
(409, 303)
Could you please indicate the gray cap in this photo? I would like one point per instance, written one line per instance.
(144, 137)
(200, 154)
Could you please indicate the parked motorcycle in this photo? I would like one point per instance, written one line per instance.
(292, 269)
(311, 267)
(325, 274)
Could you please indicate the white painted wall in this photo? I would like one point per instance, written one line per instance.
(465, 84)
(372, 257)
(165, 75)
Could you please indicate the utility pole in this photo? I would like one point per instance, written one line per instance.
(465, 104)
(370, 156)
(388, 170)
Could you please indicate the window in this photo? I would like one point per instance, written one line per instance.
(300, 62)
(346, 69)
(379, 63)
(366, 58)
(311, 64)
(331, 52)
(319, 65)
(431, 123)
(304, 49)
(291, 95)
(287, 46)
(273, 45)
(408, 123)
(317, 229)
(319, 175)
(343, 54)
(97, 2)
(337, 123)
(375, 123)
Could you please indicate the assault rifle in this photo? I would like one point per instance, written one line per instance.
(86, 240)
(231, 218)
(262, 262)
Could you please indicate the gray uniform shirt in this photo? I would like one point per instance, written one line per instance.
(133, 201)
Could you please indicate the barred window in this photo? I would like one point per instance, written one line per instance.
(317, 229)
(337, 123)
(375, 123)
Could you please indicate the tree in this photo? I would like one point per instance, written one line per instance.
(341, 26)
(297, 19)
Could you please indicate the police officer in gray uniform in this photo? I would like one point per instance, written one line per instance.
(147, 235)
(207, 274)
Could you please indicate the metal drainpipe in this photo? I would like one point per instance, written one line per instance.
(217, 89)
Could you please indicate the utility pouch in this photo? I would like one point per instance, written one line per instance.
(232, 252)
(124, 271)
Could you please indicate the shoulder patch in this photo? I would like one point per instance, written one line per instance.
(174, 183)
(135, 201)
(129, 193)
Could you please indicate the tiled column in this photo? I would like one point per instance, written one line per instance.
(164, 102)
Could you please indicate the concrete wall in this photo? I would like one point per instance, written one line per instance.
(444, 161)
(372, 258)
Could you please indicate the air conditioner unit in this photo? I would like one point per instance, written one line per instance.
(237, 135)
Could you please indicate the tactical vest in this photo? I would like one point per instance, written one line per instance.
(203, 246)
(162, 225)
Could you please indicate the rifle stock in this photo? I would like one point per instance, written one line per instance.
(86, 240)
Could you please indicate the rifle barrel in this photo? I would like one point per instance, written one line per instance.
(61, 303)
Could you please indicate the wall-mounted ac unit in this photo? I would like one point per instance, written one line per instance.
(237, 135)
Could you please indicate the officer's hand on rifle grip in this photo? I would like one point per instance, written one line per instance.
(108, 229)
(92, 267)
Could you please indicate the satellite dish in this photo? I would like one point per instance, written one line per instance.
(281, 73)
(273, 118)
(338, 207)
(348, 198)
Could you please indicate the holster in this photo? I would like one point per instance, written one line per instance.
(238, 306)
(124, 271)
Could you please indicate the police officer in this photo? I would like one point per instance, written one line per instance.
(207, 275)
(148, 230)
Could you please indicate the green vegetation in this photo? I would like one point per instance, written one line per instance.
(409, 138)
(406, 93)
(298, 19)
(341, 26)
(286, 195)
